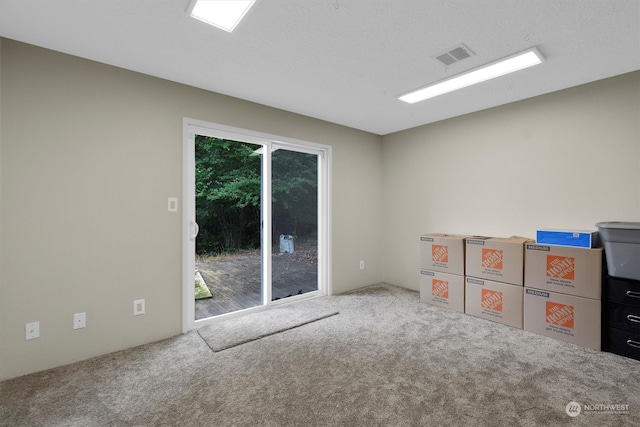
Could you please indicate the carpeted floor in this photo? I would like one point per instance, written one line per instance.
(385, 360)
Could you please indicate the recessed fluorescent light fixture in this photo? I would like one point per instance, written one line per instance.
(516, 62)
(224, 14)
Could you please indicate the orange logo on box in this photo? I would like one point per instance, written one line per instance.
(440, 288)
(440, 253)
(560, 314)
(491, 300)
(492, 258)
(562, 267)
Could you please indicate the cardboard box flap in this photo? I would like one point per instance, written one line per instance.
(522, 239)
(445, 235)
(513, 239)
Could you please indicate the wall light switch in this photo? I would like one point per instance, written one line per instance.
(173, 204)
(138, 307)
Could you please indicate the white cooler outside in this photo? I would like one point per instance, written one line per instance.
(286, 244)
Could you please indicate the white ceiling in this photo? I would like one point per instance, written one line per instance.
(344, 61)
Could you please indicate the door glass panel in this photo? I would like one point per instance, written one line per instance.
(228, 196)
(294, 188)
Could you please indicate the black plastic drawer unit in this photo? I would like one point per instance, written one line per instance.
(621, 332)
(623, 342)
(623, 291)
(623, 316)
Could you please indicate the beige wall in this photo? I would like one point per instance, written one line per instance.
(90, 154)
(567, 159)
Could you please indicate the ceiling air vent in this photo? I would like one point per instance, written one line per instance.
(454, 55)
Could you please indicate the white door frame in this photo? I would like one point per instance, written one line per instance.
(193, 127)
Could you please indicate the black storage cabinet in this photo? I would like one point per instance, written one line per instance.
(621, 317)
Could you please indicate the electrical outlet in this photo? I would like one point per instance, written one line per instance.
(33, 330)
(362, 265)
(138, 307)
(79, 320)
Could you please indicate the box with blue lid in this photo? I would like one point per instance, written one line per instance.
(573, 238)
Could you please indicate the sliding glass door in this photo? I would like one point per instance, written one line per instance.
(228, 247)
(294, 201)
(256, 221)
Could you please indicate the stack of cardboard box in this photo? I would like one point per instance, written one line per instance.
(442, 270)
(553, 289)
(494, 278)
(563, 291)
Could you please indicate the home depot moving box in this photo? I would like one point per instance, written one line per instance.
(496, 258)
(442, 252)
(573, 271)
(565, 317)
(497, 301)
(442, 289)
